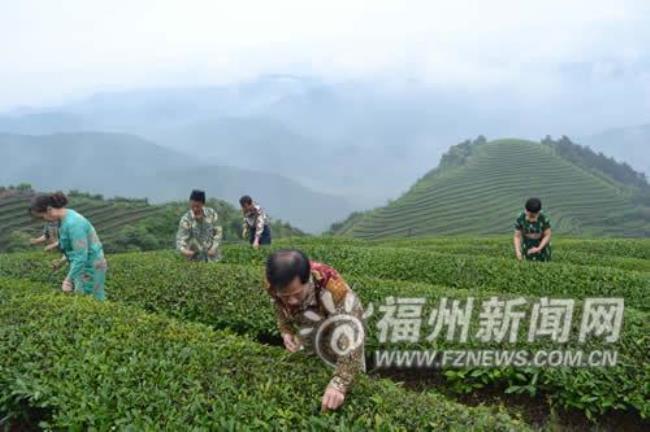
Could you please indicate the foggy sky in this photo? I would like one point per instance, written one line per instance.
(592, 55)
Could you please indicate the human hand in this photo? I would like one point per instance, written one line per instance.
(290, 342)
(332, 398)
(67, 286)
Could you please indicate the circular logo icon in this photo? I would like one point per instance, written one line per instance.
(337, 335)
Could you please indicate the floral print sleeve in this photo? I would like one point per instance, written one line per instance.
(283, 321)
(349, 365)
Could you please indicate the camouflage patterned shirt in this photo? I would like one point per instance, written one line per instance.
(254, 219)
(533, 233)
(200, 235)
(329, 295)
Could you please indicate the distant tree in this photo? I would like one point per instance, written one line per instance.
(588, 159)
(480, 140)
(458, 154)
(24, 187)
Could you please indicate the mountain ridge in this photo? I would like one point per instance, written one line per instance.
(480, 186)
(125, 165)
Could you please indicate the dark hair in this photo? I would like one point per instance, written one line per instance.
(198, 195)
(245, 200)
(534, 205)
(41, 202)
(283, 266)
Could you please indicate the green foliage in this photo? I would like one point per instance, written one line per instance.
(24, 187)
(230, 296)
(587, 158)
(18, 241)
(158, 231)
(624, 254)
(472, 272)
(90, 365)
(123, 224)
(458, 154)
(344, 225)
(480, 188)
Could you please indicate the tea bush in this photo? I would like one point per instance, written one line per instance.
(86, 365)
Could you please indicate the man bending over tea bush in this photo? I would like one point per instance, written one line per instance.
(256, 226)
(533, 233)
(317, 310)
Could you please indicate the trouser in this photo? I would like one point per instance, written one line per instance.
(265, 238)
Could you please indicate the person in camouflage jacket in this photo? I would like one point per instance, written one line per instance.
(532, 238)
(256, 228)
(199, 233)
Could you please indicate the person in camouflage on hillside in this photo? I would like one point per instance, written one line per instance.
(256, 223)
(533, 233)
(305, 294)
(199, 234)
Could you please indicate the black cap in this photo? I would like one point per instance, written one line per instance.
(198, 195)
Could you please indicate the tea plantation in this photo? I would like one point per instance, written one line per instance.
(479, 188)
(123, 224)
(183, 346)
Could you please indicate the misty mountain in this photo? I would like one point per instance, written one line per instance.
(339, 138)
(367, 141)
(126, 165)
(631, 145)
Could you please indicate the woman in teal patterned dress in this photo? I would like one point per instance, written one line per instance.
(79, 242)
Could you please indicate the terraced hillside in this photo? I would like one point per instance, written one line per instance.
(122, 224)
(483, 193)
(108, 216)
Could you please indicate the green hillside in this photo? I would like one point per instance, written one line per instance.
(122, 224)
(158, 173)
(481, 186)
